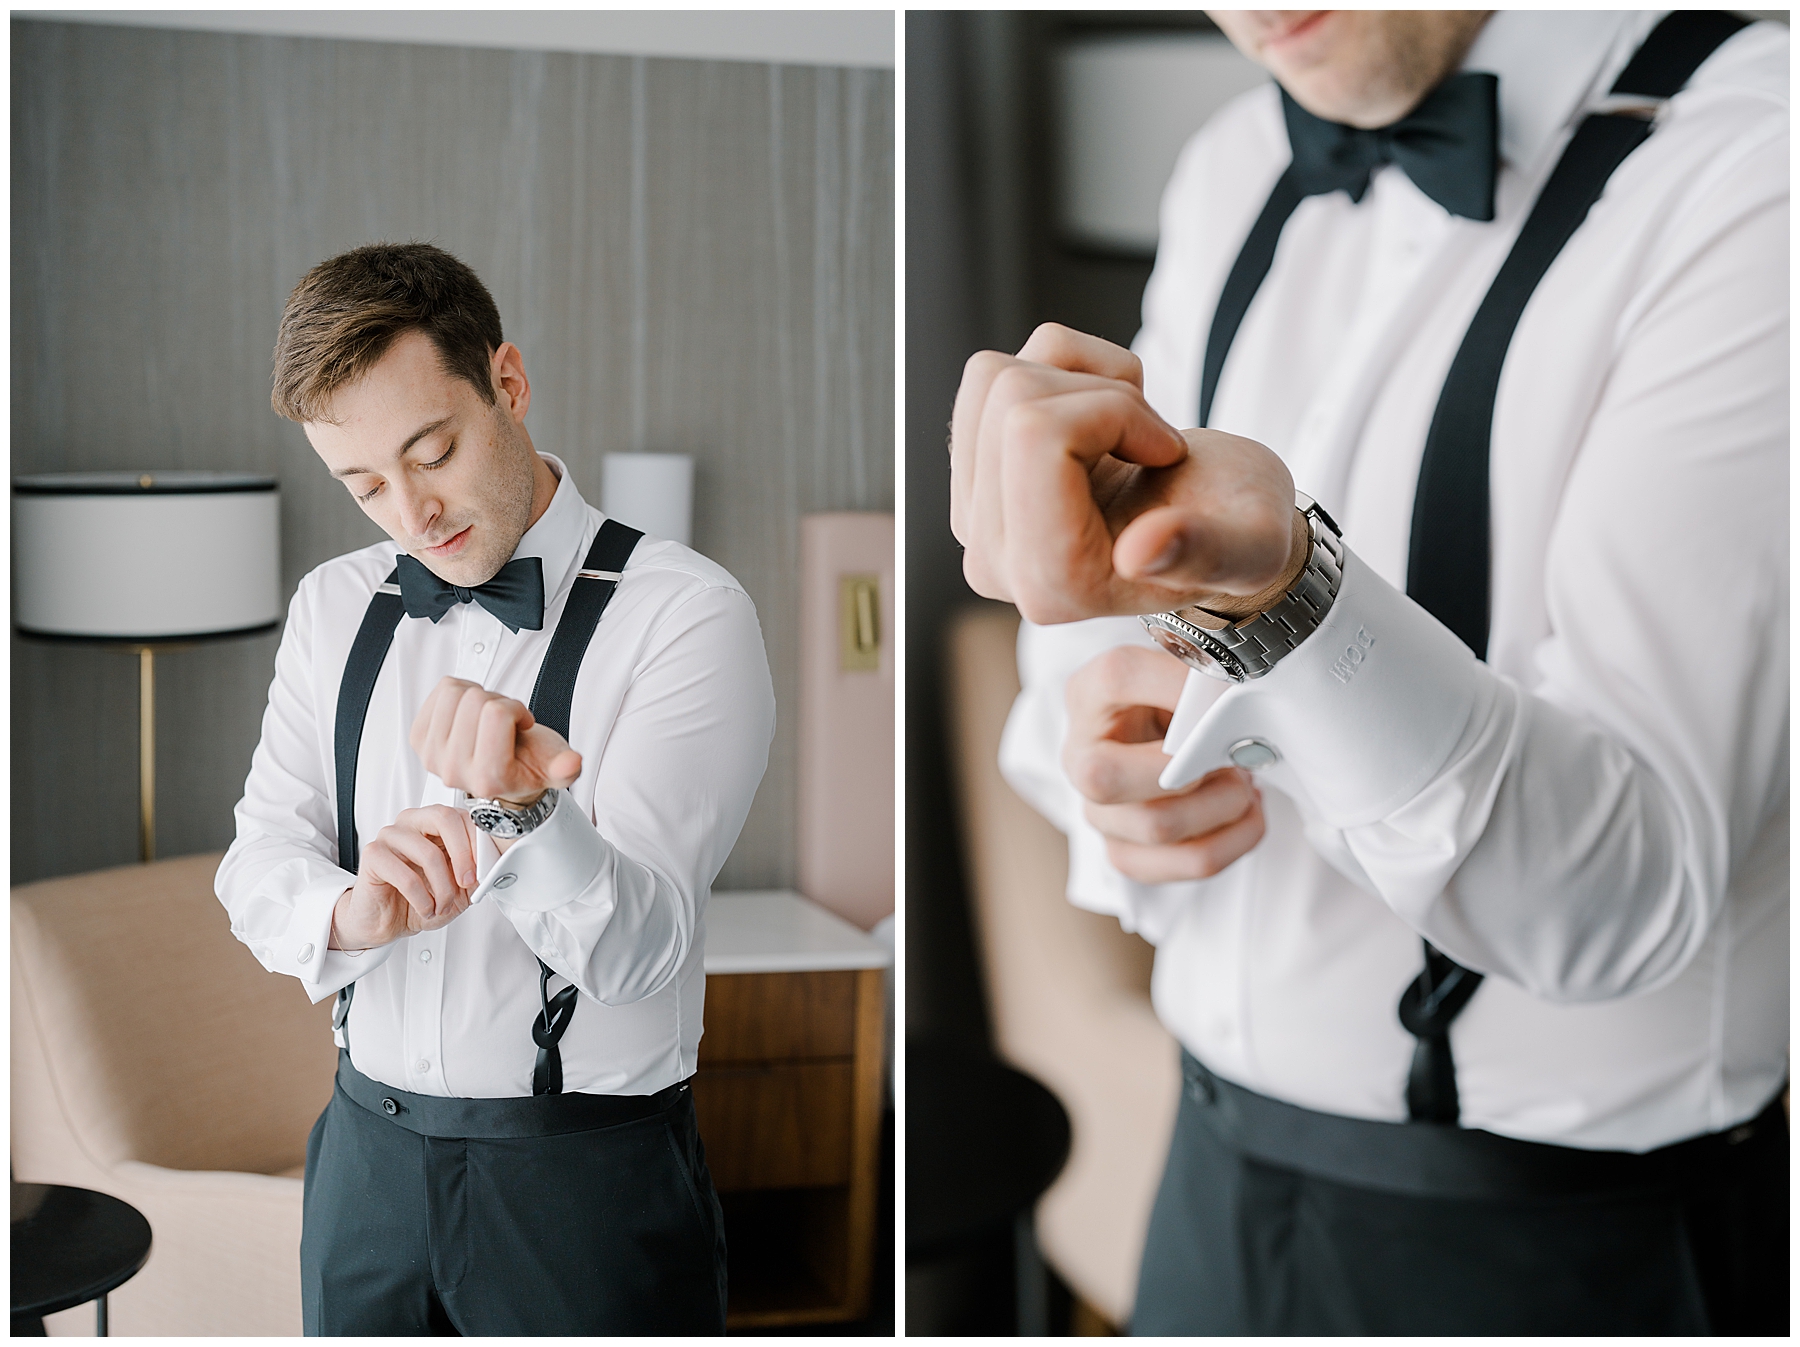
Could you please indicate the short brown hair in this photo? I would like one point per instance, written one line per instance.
(347, 312)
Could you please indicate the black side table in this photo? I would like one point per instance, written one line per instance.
(70, 1246)
(983, 1142)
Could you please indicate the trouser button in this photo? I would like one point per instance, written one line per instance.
(389, 1107)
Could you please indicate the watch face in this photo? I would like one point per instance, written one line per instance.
(1179, 646)
(1172, 634)
(501, 820)
(492, 819)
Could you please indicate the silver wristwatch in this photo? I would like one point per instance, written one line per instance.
(501, 819)
(1252, 646)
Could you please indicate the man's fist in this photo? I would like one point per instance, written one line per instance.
(488, 746)
(1119, 705)
(417, 874)
(1073, 499)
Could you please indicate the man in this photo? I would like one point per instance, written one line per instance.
(511, 1146)
(1469, 906)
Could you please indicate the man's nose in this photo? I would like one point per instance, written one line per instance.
(418, 507)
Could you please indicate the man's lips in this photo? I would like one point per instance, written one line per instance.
(1298, 28)
(451, 546)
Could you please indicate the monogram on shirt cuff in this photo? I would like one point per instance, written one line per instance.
(549, 867)
(1355, 721)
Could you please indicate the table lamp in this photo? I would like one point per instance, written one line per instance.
(652, 492)
(138, 560)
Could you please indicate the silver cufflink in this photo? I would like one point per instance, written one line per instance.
(1251, 754)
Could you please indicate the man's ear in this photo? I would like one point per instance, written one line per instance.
(512, 390)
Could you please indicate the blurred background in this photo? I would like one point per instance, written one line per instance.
(1040, 1088)
(687, 222)
(1037, 147)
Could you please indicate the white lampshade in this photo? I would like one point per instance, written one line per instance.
(146, 556)
(1125, 105)
(652, 492)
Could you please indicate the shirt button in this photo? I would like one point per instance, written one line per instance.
(424, 956)
(423, 1066)
(305, 955)
(479, 647)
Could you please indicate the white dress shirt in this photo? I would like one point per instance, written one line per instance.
(1596, 816)
(673, 715)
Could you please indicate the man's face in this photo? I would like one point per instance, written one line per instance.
(1362, 67)
(448, 475)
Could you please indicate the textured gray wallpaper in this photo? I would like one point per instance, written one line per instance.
(694, 256)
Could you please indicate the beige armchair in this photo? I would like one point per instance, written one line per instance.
(154, 1059)
(1068, 991)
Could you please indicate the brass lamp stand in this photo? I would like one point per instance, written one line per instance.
(146, 753)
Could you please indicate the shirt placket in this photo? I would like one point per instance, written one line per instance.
(1408, 236)
(477, 634)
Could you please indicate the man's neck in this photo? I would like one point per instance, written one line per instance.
(543, 486)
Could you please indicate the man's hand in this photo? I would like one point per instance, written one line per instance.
(1073, 499)
(417, 874)
(1120, 704)
(488, 746)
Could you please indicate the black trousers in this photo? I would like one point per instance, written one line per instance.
(509, 1216)
(1242, 1245)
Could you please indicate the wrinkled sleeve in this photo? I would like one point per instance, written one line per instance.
(280, 880)
(1578, 837)
(612, 902)
(1031, 761)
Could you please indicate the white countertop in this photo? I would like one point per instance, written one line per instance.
(778, 931)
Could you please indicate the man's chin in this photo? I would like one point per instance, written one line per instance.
(461, 571)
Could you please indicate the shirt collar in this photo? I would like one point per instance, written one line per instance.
(1552, 65)
(560, 531)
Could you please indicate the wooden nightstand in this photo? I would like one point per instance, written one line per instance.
(789, 1095)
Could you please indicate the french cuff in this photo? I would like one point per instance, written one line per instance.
(305, 951)
(1355, 721)
(550, 866)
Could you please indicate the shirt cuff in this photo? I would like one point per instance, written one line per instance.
(1361, 715)
(550, 866)
(305, 951)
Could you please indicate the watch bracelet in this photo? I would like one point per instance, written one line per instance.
(538, 812)
(1256, 644)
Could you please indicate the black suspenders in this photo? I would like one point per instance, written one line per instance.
(1448, 562)
(551, 699)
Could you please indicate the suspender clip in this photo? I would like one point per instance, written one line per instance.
(1641, 106)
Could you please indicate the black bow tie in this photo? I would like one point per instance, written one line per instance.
(1448, 146)
(515, 595)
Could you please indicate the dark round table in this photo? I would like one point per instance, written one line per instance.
(70, 1246)
(983, 1142)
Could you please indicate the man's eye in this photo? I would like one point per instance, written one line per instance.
(438, 463)
(369, 495)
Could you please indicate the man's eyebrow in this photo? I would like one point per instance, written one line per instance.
(411, 440)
